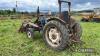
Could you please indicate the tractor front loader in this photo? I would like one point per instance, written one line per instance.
(92, 17)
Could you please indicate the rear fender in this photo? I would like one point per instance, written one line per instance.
(57, 19)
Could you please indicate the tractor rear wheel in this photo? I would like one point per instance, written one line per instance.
(56, 35)
(77, 32)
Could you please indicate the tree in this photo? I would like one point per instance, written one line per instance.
(14, 10)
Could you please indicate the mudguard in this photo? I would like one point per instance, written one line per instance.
(57, 19)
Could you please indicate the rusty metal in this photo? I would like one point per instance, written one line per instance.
(60, 13)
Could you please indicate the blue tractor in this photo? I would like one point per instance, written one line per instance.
(58, 32)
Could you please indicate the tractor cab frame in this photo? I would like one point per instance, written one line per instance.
(64, 13)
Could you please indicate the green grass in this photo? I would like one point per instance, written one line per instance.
(13, 43)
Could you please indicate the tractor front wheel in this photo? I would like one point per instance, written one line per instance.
(30, 32)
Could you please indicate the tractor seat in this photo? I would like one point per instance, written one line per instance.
(65, 16)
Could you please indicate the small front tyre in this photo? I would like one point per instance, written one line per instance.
(30, 33)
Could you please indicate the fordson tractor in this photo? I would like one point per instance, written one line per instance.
(58, 32)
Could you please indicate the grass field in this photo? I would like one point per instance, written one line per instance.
(13, 43)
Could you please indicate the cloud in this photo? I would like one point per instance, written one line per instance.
(31, 5)
(84, 6)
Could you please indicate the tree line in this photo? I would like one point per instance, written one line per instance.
(8, 12)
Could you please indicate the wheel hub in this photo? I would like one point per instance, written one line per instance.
(54, 37)
(29, 34)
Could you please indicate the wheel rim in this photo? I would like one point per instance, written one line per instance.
(29, 34)
(53, 36)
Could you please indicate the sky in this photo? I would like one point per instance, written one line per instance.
(31, 5)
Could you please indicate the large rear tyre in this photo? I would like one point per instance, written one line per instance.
(56, 35)
(77, 32)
